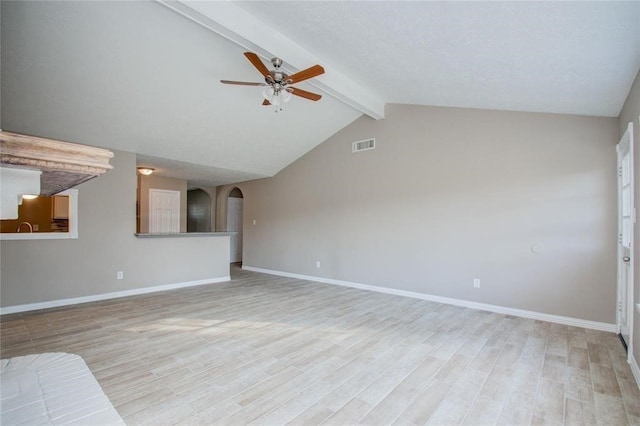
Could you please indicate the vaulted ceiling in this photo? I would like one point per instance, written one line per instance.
(144, 76)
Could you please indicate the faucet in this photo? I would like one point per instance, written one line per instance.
(25, 223)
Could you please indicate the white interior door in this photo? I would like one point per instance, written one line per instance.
(164, 211)
(626, 219)
(234, 224)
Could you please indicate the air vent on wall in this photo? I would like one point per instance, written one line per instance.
(363, 145)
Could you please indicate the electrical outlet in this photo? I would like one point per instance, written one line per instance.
(120, 275)
(317, 264)
(476, 282)
(36, 227)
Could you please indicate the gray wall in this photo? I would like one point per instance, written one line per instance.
(630, 113)
(449, 195)
(47, 270)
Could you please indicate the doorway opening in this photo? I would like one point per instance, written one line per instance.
(198, 211)
(235, 201)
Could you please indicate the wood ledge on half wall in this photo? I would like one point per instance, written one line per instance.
(63, 164)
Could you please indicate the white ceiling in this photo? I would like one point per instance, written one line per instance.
(558, 57)
(137, 76)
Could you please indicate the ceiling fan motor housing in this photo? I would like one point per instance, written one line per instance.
(275, 75)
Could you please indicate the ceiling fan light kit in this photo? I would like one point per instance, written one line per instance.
(276, 96)
(278, 90)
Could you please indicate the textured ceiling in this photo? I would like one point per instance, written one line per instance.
(559, 57)
(139, 77)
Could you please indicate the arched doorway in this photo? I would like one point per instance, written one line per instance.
(198, 211)
(234, 223)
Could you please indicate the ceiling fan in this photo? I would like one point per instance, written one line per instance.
(278, 90)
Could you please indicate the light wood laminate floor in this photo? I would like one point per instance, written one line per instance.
(271, 350)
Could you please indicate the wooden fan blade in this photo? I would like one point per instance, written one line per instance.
(260, 66)
(242, 83)
(266, 103)
(306, 74)
(304, 94)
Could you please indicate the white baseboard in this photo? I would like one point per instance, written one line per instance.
(105, 296)
(635, 369)
(576, 322)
